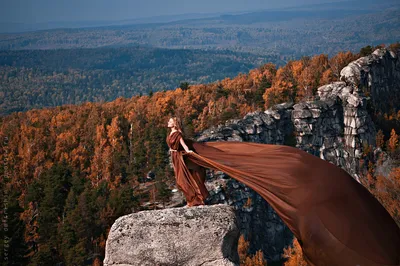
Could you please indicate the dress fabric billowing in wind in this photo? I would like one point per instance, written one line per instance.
(336, 220)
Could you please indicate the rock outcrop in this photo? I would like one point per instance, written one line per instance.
(336, 127)
(205, 235)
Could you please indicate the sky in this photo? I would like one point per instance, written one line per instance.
(38, 11)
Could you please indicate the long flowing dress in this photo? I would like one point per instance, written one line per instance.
(190, 177)
(336, 220)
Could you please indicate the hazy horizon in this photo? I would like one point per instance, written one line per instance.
(44, 11)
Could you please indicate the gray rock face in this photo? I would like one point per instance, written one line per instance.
(204, 235)
(377, 74)
(271, 126)
(335, 128)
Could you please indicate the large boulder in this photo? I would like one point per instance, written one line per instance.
(201, 235)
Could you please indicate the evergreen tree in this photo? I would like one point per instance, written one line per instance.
(50, 192)
(258, 97)
(184, 86)
(13, 248)
(163, 192)
(367, 50)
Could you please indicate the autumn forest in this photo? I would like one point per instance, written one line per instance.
(70, 171)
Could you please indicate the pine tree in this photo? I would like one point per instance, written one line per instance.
(258, 97)
(13, 248)
(184, 86)
(50, 192)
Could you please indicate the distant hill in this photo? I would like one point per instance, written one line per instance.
(24, 27)
(306, 30)
(352, 5)
(42, 78)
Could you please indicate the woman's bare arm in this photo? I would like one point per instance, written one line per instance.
(184, 145)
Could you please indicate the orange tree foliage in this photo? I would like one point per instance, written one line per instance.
(256, 260)
(243, 247)
(294, 255)
(299, 80)
(380, 139)
(115, 144)
(387, 191)
(249, 260)
(393, 142)
(339, 61)
(386, 188)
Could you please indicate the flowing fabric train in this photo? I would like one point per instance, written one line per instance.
(336, 219)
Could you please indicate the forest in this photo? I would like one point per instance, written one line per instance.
(290, 32)
(70, 171)
(43, 78)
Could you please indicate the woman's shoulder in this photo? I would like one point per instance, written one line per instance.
(178, 133)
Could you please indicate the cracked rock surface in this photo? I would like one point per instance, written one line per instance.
(201, 235)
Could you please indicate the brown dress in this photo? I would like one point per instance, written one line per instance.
(190, 177)
(336, 220)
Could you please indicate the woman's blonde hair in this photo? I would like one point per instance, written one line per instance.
(178, 123)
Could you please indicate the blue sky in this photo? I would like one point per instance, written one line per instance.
(36, 11)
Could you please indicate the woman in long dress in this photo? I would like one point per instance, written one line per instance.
(336, 220)
(189, 177)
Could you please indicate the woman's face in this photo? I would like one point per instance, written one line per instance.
(171, 122)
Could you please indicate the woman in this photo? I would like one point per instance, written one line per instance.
(190, 177)
(335, 219)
